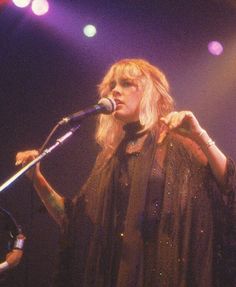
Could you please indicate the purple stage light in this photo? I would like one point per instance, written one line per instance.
(40, 7)
(215, 48)
(21, 3)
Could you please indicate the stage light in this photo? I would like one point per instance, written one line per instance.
(21, 3)
(215, 48)
(90, 31)
(40, 7)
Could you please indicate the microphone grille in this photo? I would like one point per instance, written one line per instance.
(108, 104)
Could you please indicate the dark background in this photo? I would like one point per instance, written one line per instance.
(49, 69)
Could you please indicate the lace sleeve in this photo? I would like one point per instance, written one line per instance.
(229, 186)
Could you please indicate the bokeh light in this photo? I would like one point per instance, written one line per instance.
(40, 7)
(215, 48)
(90, 30)
(21, 3)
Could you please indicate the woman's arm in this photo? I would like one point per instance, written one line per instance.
(50, 198)
(186, 124)
(215, 156)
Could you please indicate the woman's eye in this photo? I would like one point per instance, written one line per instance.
(112, 85)
(126, 83)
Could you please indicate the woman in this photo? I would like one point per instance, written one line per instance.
(158, 203)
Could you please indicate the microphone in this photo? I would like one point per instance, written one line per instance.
(104, 106)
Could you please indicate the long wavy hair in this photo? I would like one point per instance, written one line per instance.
(156, 101)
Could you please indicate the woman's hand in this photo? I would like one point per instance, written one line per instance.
(184, 123)
(24, 157)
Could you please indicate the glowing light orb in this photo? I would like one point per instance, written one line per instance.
(90, 31)
(40, 7)
(21, 3)
(215, 48)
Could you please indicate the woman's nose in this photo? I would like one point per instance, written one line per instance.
(116, 91)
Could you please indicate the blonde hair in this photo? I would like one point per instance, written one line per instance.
(156, 101)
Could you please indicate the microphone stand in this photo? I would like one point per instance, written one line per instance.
(44, 153)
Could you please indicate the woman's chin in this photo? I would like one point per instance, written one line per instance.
(125, 119)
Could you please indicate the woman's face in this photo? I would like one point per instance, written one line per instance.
(127, 95)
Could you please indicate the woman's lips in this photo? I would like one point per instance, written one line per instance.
(118, 102)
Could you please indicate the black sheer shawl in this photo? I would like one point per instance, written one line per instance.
(196, 234)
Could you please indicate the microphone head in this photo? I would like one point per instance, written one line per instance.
(108, 104)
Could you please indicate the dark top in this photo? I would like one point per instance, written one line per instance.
(150, 215)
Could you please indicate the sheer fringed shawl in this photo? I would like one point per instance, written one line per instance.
(196, 234)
